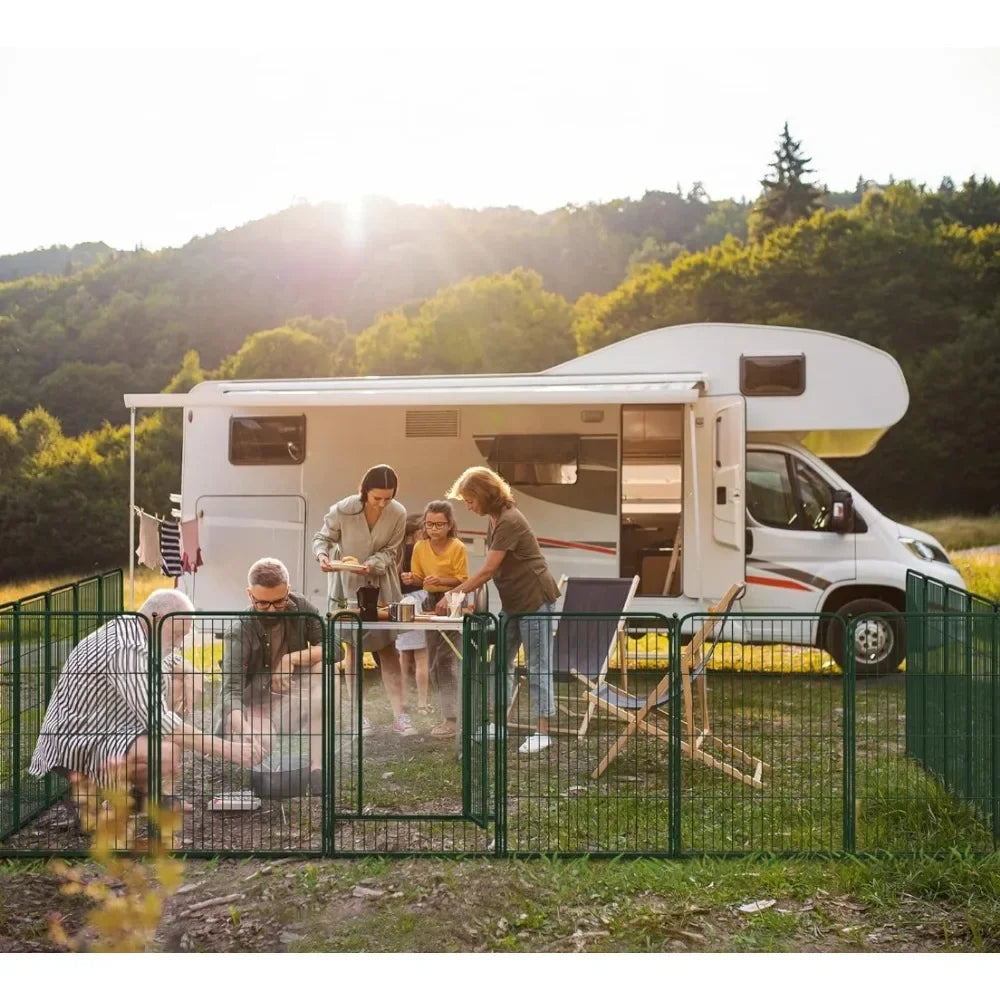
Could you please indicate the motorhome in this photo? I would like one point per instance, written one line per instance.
(689, 456)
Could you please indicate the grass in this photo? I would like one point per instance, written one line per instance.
(963, 531)
(981, 573)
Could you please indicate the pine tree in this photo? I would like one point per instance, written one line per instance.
(787, 196)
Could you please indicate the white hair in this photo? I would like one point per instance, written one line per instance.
(165, 602)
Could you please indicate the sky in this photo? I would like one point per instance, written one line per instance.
(150, 135)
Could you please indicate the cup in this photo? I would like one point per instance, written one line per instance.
(455, 602)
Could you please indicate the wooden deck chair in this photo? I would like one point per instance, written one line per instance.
(583, 647)
(646, 714)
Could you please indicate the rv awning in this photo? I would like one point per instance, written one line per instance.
(433, 391)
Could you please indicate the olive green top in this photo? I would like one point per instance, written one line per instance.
(523, 579)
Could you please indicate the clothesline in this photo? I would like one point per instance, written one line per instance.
(172, 547)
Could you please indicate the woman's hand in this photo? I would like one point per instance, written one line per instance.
(433, 580)
(324, 563)
(441, 608)
(362, 569)
(411, 579)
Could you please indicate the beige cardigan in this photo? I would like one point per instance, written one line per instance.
(345, 526)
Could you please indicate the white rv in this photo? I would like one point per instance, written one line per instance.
(689, 456)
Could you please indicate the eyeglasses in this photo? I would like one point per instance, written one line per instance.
(269, 605)
(436, 524)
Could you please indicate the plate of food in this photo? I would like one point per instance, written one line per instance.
(348, 563)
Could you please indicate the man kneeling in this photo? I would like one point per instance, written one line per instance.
(272, 667)
(95, 728)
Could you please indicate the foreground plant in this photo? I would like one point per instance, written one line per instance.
(128, 892)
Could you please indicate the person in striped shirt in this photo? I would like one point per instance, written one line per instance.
(97, 721)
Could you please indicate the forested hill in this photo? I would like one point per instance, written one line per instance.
(52, 260)
(74, 344)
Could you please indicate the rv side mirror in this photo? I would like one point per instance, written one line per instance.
(842, 513)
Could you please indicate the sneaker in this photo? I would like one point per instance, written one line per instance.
(444, 729)
(402, 726)
(488, 732)
(535, 743)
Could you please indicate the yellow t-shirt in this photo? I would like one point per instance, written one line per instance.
(454, 563)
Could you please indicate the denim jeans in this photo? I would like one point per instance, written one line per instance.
(535, 634)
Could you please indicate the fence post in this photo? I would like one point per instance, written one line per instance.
(500, 733)
(47, 683)
(16, 721)
(850, 736)
(674, 707)
(995, 727)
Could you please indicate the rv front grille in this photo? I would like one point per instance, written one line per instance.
(431, 423)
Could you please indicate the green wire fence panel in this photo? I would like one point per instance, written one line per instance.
(415, 782)
(953, 707)
(594, 782)
(257, 685)
(762, 736)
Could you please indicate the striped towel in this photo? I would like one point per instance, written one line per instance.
(170, 548)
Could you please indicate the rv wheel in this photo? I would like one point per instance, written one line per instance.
(877, 637)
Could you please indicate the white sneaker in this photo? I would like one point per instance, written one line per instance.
(488, 732)
(535, 743)
(403, 726)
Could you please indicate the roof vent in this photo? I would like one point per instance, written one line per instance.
(431, 423)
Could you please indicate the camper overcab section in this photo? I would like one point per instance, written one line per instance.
(689, 456)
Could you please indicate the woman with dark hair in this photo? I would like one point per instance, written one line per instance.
(440, 561)
(516, 565)
(369, 527)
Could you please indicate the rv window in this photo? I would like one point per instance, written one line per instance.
(773, 376)
(769, 489)
(267, 440)
(536, 459)
(815, 498)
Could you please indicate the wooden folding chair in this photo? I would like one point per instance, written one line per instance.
(583, 646)
(698, 743)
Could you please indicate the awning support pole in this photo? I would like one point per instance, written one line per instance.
(131, 508)
(696, 501)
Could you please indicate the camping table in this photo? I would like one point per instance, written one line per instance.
(444, 626)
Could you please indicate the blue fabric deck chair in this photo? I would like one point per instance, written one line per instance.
(648, 714)
(587, 633)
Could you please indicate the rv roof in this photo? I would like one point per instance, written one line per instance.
(472, 390)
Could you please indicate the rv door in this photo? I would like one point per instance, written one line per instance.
(714, 503)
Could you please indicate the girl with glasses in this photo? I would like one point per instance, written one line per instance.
(441, 562)
(412, 645)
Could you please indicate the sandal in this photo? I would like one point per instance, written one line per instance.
(425, 709)
(444, 729)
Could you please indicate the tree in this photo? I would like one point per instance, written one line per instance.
(787, 196)
(279, 353)
(83, 395)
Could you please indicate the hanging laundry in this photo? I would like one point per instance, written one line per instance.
(148, 552)
(190, 552)
(170, 548)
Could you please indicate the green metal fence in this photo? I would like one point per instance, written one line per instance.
(953, 692)
(746, 739)
(37, 633)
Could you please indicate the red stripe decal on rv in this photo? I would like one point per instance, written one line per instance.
(768, 581)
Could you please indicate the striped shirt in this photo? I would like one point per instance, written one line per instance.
(101, 703)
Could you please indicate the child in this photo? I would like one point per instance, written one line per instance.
(412, 646)
(440, 562)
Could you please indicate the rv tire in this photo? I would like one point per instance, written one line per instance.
(878, 637)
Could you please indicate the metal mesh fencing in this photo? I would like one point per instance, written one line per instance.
(740, 734)
(431, 790)
(953, 699)
(240, 733)
(581, 778)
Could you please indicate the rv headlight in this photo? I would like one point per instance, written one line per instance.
(923, 550)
